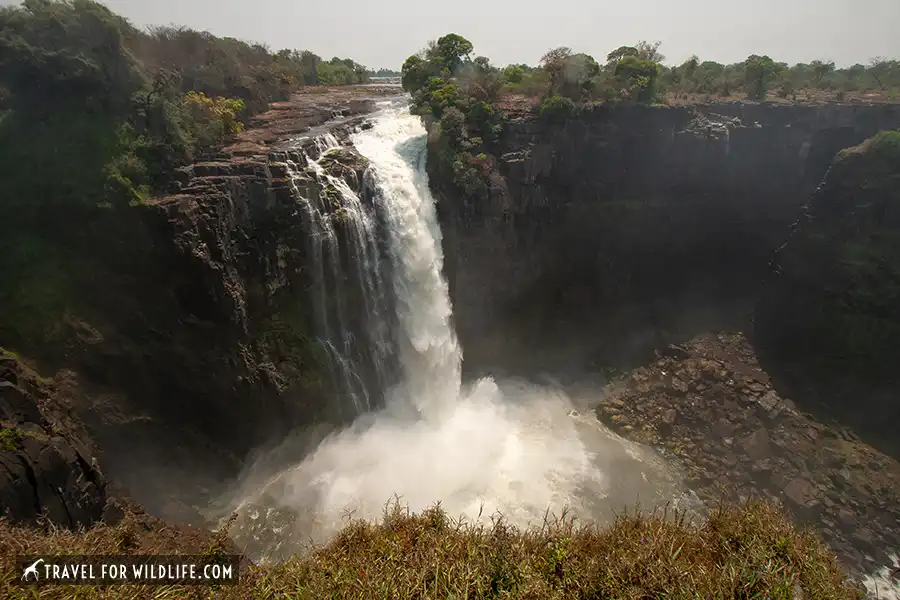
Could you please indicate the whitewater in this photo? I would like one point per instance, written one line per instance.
(491, 448)
(487, 449)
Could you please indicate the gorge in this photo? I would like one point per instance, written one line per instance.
(340, 226)
(370, 299)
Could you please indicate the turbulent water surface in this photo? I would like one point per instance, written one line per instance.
(506, 447)
(493, 447)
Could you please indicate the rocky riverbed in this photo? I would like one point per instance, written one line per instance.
(708, 406)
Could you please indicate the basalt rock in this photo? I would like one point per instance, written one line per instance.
(828, 320)
(48, 465)
(736, 437)
(627, 228)
(193, 339)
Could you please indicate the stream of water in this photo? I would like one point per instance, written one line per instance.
(505, 447)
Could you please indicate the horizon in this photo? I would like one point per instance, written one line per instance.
(806, 30)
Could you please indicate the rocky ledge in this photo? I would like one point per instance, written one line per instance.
(708, 405)
(199, 345)
(47, 463)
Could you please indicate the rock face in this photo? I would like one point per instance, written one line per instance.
(628, 227)
(828, 320)
(47, 463)
(709, 407)
(205, 345)
(194, 337)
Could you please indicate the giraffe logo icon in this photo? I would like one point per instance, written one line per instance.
(32, 570)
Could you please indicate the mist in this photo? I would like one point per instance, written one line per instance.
(504, 448)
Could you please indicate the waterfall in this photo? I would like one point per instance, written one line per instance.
(342, 245)
(426, 343)
(508, 447)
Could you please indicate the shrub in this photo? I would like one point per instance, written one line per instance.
(557, 109)
(210, 121)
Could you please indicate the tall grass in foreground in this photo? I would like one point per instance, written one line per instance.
(744, 552)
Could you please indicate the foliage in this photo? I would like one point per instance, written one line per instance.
(450, 52)
(95, 117)
(750, 551)
(10, 438)
(341, 71)
(513, 74)
(557, 109)
(210, 121)
(759, 72)
(639, 78)
(455, 95)
(384, 73)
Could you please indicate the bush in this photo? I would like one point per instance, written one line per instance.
(639, 79)
(557, 109)
(208, 122)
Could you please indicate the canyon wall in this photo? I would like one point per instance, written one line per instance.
(191, 337)
(828, 317)
(624, 228)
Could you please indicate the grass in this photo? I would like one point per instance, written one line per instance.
(751, 551)
(10, 438)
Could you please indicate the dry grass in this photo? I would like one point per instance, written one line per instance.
(740, 552)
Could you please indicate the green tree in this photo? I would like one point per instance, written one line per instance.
(415, 73)
(759, 72)
(451, 51)
(820, 70)
(883, 71)
(513, 74)
(650, 51)
(619, 53)
(554, 63)
(639, 78)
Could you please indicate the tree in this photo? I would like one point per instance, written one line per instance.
(513, 74)
(414, 73)
(578, 72)
(759, 72)
(553, 62)
(648, 51)
(482, 64)
(880, 68)
(820, 70)
(639, 78)
(619, 53)
(451, 51)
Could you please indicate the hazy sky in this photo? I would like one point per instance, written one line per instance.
(382, 33)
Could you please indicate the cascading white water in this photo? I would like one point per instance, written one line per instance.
(512, 448)
(426, 343)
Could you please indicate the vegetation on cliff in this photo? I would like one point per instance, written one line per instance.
(95, 117)
(464, 99)
(746, 552)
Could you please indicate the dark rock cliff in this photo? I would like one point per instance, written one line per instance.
(197, 341)
(625, 228)
(47, 461)
(828, 319)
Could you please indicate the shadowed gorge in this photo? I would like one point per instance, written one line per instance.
(590, 328)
